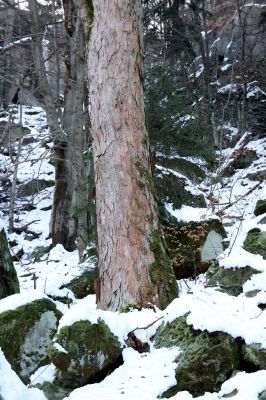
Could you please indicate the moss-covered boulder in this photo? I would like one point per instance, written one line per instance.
(260, 207)
(8, 277)
(206, 361)
(254, 354)
(84, 284)
(255, 242)
(229, 280)
(84, 350)
(192, 246)
(26, 333)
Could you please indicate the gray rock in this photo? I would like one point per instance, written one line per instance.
(26, 333)
(206, 361)
(83, 350)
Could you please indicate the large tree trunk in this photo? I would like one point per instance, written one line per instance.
(132, 262)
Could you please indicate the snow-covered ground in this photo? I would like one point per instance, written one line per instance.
(145, 376)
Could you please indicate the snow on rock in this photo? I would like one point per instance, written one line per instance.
(142, 376)
(120, 324)
(20, 299)
(43, 374)
(12, 388)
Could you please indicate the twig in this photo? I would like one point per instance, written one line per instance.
(148, 326)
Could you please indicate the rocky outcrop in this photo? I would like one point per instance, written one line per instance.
(84, 350)
(25, 334)
(8, 277)
(192, 246)
(206, 361)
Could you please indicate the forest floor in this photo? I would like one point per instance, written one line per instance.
(147, 375)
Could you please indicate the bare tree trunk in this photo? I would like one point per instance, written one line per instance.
(70, 211)
(71, 199)
(132, 261)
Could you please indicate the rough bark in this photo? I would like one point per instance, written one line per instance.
(69, 225)
(132, 262)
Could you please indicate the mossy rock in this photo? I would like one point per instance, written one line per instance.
(230, 280)
(254, 354)
(83, 285)
(206, 361)
(171, 189)
(83, 350)
(9, 283)
(52, 391)
(184, 167)
(33, 187)
(161, 271)
(255, 242)
(26, 333)
(260, 207)
(188, 246)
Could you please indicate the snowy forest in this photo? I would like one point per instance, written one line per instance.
(132, 199)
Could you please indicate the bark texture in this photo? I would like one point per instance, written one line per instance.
(132, 262)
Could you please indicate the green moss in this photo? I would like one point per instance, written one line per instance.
(83, 285)
(184, 242)
(15, 326)
(52, 391)
(260, 207)
(90, 13)
(161, 271)
(206, 361)
(89, 348)
(255, 242)
(254, 354)
(146, 178)
(229, 280)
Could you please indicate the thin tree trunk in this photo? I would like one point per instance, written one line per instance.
(132, 262)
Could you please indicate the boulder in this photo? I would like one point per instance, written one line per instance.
(255, 242)
(26, 333)
(229, 280)
(83, 351)
(8, 277)
(207, 359)
(260, 207)
(254, 354)
(192, 246)
(84, 284)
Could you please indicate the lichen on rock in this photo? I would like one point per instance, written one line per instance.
(82, 350)
(206, 361)
(25, 334)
